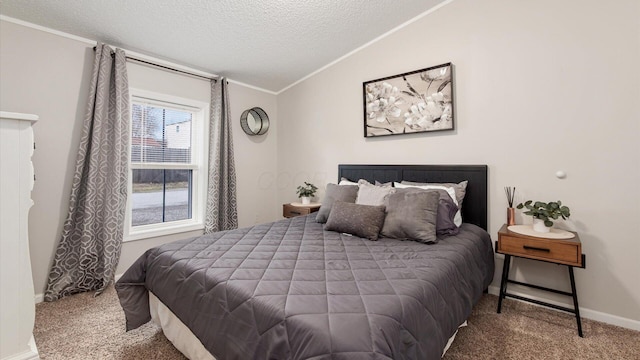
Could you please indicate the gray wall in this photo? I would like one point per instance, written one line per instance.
(540, 86)
(48, 75)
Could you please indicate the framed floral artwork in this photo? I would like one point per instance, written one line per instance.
(413, 102)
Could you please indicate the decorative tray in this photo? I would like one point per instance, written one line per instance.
(552, 234)
(305, 205)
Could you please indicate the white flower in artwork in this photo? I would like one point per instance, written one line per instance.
(383, 101)
(413, 115)
(439, 96)
(424, 115)
(433, 108)
(424, 123)
(418, 116)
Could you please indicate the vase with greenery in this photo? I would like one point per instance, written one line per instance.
(543, 213)
(306, 192)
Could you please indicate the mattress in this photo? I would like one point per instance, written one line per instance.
(290, 290)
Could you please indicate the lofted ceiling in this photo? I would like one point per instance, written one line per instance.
(265, 43)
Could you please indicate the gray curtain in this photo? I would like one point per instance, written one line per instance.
(89, 248)
(222, 212)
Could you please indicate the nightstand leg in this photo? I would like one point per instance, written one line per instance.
(503, 282)
(575, 300)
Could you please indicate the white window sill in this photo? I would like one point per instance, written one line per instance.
(150, 231)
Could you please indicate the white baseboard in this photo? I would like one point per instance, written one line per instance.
(584, 312)
(26, 355)
(31, 354)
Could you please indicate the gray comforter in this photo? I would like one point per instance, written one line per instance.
(289, 290)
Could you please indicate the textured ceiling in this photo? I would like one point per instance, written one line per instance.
(265, 43)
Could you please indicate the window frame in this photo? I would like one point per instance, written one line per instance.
(199, 165)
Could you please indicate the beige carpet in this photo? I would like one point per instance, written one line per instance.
(87, 327)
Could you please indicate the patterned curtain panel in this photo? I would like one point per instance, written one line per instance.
(222, 212)
(89, 249)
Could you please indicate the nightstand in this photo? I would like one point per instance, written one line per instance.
(562, 252)
(296, 209)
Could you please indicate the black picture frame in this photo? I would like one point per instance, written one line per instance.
(413, 102)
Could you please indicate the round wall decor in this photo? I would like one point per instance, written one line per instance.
(254, 121)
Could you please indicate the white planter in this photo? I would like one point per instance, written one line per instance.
(539, 226)
(306, 200)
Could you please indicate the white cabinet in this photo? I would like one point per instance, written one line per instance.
(17, 306)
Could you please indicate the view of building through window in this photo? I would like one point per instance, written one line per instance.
(161, 165)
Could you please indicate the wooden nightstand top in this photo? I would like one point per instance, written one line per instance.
(295, 209)
(559, 251)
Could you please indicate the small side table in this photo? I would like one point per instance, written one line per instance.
(297, 209)
(562, 252)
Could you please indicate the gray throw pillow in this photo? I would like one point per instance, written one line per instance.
(447, 210)
(460, 188)
(412, 216)
(364, 221)
(387, 184)
(346, 193)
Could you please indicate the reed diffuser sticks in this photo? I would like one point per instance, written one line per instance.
(511, 193)
(511, 213)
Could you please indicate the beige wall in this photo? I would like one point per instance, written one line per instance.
(48, 75)
(540, 86)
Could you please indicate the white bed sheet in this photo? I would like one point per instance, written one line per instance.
(176, 331)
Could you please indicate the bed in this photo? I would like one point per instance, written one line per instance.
(292, 290)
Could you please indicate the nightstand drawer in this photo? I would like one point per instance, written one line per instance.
(552, 250)
(289, 210)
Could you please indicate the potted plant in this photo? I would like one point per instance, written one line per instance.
(306, 192)
(543, 213)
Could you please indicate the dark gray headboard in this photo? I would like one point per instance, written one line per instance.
(474, 207)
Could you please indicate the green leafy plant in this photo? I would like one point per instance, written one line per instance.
(545, 211)
(306, 190)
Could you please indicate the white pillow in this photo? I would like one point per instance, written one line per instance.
(344, 181)
(452, 193)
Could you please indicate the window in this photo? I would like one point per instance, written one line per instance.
(168, 165)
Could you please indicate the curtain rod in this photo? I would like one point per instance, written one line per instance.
(167, 68)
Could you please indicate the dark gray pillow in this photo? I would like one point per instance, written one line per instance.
(387, 184)
(411, 215)
(346, 193)
(361, 220)
(447, 210)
